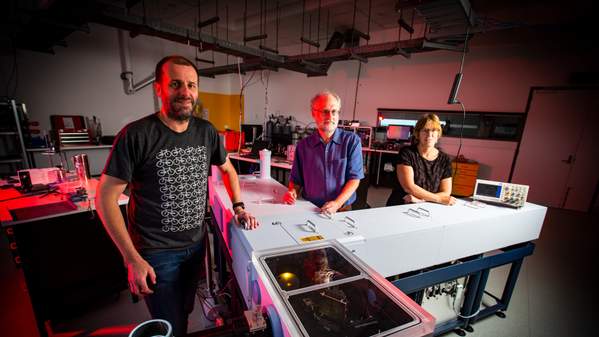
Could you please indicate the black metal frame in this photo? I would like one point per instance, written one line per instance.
(477, 268)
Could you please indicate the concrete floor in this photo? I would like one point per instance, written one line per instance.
(554, 296)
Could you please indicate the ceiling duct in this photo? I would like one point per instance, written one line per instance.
(447, 21)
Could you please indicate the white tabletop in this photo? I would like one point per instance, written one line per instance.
(15, 200)
(392, 240)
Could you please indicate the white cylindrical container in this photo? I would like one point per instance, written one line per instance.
(264, 164)
(82, 168)
(153, 328)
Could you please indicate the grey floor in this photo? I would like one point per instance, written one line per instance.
(556, 293)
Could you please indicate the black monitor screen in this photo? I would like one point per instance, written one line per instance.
(251, 132)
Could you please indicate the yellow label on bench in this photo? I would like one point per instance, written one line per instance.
(312, 238)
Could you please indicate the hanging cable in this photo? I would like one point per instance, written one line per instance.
(266, 101)
(328, 21)
(212, 33)
(318, 27)
(216, 3)
(277, 32)
(357, 85)
(369, 13)
(453, 98)
(309, 32)
(412, 22)
(353, 24)
(465, 49)
(227, 18)
(303, 19)
(261, 17)
(199, 18)
(241, 90)
(143, 7)
(245, 20)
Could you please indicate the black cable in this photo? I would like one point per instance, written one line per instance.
(357, 86)
(318, 26)
(461, 135)
(243, 86)
(227, 35)
(461, 104)
(465, 49)
(369, 19)
(277, 32)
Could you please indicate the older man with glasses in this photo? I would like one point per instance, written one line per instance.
(328, 164)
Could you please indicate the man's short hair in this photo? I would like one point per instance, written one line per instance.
(324, 93)
(174, 59)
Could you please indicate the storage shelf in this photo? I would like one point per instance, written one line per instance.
(13, 116)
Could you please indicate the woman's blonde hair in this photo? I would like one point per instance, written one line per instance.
(422, 123)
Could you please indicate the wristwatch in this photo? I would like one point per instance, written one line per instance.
(238, 204)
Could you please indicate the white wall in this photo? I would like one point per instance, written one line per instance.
(84, 78)
(496, 78)
(494, 157)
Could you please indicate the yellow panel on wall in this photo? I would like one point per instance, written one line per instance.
(222, 110)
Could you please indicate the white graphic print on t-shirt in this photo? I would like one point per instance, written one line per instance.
(183, 176)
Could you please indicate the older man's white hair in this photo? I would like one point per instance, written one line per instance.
(324, 93)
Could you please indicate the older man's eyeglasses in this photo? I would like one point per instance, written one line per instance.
(333, 112)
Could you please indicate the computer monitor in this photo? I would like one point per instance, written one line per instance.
(399, 132)
(252, 132)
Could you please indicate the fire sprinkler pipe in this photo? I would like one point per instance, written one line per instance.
(127, 74)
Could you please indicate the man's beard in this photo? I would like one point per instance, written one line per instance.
(328, 126)
(181, 113)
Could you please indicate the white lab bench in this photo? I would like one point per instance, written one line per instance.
(391, 240)
(449, 233)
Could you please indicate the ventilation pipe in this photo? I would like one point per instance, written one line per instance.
(127, 75)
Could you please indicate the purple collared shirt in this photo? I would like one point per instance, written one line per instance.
(323, 169)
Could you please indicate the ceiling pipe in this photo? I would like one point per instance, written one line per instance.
(127, 74)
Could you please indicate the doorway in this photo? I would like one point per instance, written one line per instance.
(558, 155)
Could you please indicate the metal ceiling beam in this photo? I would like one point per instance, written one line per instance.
(319, 63)
(445, 46)
(254, 58)
(115, 18)
(374, 50)
(315, 64)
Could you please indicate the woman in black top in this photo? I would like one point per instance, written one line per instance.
(423, 172)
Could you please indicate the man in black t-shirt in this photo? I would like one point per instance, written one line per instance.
(164, 159)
